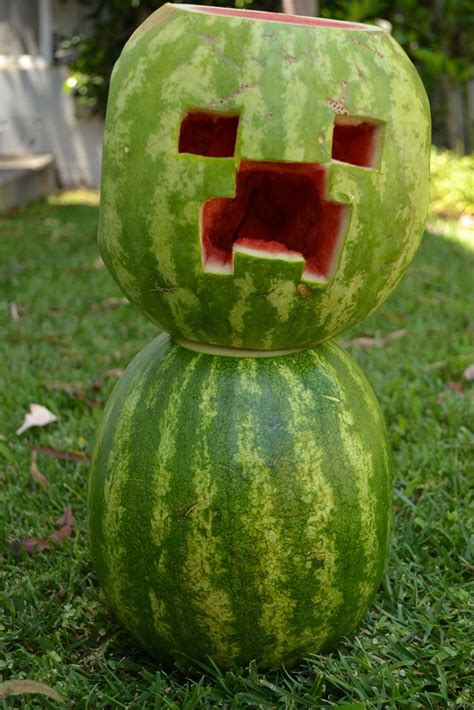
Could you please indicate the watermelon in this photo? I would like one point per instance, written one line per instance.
(239, 504)
(265, 177)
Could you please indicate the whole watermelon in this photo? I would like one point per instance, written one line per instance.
(240, 506)
(265, 178)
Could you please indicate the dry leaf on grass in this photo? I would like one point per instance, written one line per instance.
(37, 416)
(443, 363)
(31, 545)
(456, 386)
(66, 455)
(395, 335)
(35, 473)
(370, 341)
(110, 304)
(22, 687)
(73, 389)
(113, 372)
(66, 521)
(468, 373)
(14, 312)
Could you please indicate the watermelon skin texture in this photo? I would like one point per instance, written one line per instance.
(239, 508)
(288, 83)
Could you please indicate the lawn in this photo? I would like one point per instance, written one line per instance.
(66, 335)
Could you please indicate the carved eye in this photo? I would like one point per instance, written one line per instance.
(212, 135)
(356, 141)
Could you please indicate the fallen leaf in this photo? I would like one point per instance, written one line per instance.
(66, 455)
(113, 372)
(395, 335)
(371, 341)
(363, 342)
(468, 373)
(35, 473)
(456, 386)
(73, 389)
(22, 687)
(31, 545)
(110, 304)
(14, 312)
(65, 531)
(37, 416)
(442, 363)
(6, 453)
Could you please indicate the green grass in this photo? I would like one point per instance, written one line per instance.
(413, 648)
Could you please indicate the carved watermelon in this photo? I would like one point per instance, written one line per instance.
(264, 177)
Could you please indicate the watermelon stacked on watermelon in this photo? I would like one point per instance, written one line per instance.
(264, 188)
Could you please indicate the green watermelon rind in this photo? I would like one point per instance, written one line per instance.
(239, 508)
(288, 86)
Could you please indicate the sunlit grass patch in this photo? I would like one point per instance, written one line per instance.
(452, 185)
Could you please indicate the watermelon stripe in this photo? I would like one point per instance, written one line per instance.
(322, 521)
(188, 527)
(125, 481)
(260, 519)
(103, 451)
(374, 494)
(206, 541)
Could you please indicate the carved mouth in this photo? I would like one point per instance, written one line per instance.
(279, 211)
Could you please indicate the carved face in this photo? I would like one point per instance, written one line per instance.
(264, 177)
(279, 208)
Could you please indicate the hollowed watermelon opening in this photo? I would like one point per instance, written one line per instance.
(210, 134)
(278, 17)
(278, 209)
(356, 141)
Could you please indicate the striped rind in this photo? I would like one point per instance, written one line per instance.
(239, 508)
(287, 82)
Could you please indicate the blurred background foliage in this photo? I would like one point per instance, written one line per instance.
(452, 185)
(436, 34)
